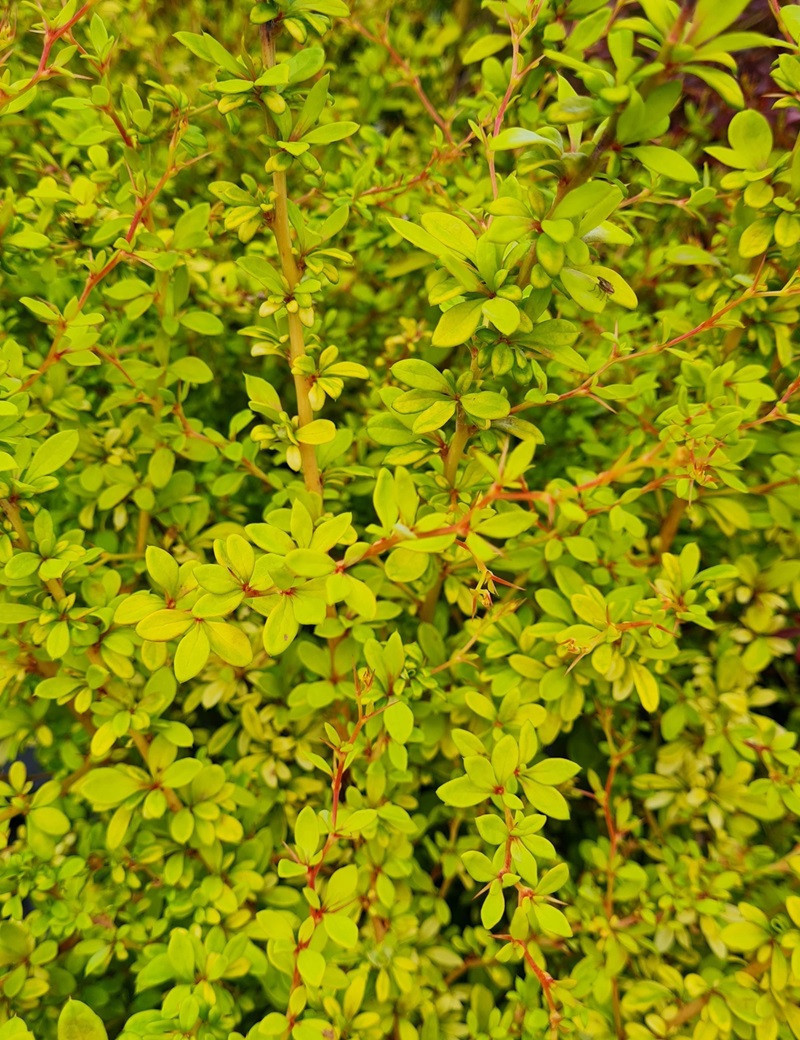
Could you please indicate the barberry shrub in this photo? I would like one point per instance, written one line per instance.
(399, 490)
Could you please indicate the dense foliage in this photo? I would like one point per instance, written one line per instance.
(399, 549)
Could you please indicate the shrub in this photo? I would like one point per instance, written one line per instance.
(400, 547)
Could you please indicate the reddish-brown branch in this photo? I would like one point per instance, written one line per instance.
(775, 412)
(51, 37)
(546, 980)
(94, 279)
(590, 383)
(109, 111)
(775, 7)
(412, 78)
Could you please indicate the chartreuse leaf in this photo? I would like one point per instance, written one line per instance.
(52, 455)
(330, 132)
(461, 792)
(420, 374)
(399, 520)
(493, 905)
(14, 1029)
(457, 324)
(744, 936)
(503, 314)
(281, 627)
(667, 162)
(342, 930)
(311, 966)
(751, 138)
(77, 1021)
(709, 18)
(318, 431)
(418, 237)
(203, 322)
(107, 787)
(518, 137)
(192, 654)
(551, 920)
(452, 232)
(399, 721)
(306, 831)
(646, 686)
(491, 43)
(486, 405)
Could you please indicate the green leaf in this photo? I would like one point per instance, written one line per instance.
(457, 324)
(162, 568)
(621, 294)
(127, 289)
(691, 255)
(720, 82)
(163, 625)
(667, 162)
(342, 887)
(281, 628)
(756, 238)
(192, 654)
(711, 18)
(52, 455)
(751, 137)
(434, 417)
(207, 47)
(50, 820)
(503, 314)
(27, 239)
(309, 563)
(332, 8)
(546, 799)
(488, 44)
(105, 787)
(399, 720)
(43, 310)
(486, 405)
(419, 238)
(383, 499)
(16, 613)
(453, 233)
(229, 642)
(342, 930)
(191, 370)
(311, 966)
(203, 322)
(14, 1028)
(77, 1021)
(596, 197)
(421, 375)
(461, 792)
(553, 880)
(517, 137)
(493, 906)
(744, 936)
(318, 431)
(330, 132)
(306, 831)
(552, 921)
(181, 772)
(553, 771)
(646, 686)
(181, 954)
